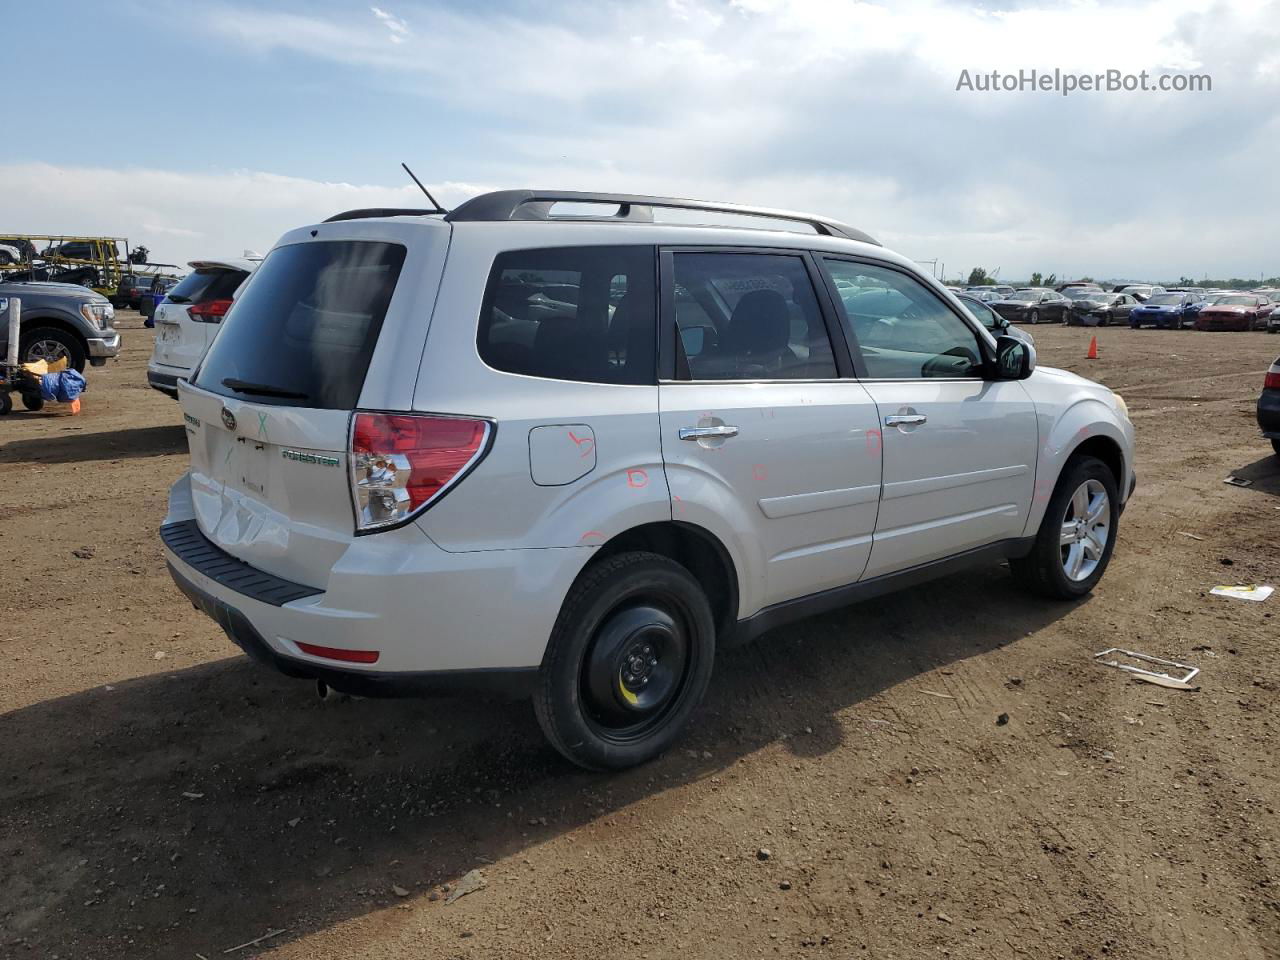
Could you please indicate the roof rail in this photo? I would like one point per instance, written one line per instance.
(536, 205)
(370, 212)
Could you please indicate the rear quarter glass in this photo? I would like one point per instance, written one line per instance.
(304, 330)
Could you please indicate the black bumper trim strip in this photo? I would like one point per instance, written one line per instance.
(197, 551)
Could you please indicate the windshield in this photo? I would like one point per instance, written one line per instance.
(1024, 297)
(1081, 293)
(1165, 299)
(1237, 301)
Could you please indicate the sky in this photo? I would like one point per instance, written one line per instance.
(204, 129)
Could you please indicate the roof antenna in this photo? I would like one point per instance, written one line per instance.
(438, 208)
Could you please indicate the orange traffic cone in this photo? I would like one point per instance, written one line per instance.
(1093, 350)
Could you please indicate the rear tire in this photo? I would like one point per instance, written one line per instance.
(1045, 569)
(1034, 317)
(628, 661)
(6, 402)
(33, 401)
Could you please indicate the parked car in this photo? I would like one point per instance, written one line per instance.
(1100, 309)
(1143, 291)
(188, 317)
(16, 250)
(996, 325)
(1033, 305)
(1206, 300)
(62, 320)
(1166, 311)
(81, 250)
(1065, 288)
(1273, 320)
(383, 446)
(1235, 311)
(152, 298)
(984, 294)
(130, 288)
(1269, 407)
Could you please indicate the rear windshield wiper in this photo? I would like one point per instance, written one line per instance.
(262, 389)
(179, 299)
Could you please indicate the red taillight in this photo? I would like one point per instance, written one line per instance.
(1272, 382)
(211, 311)
(401, 462)
(336, 653)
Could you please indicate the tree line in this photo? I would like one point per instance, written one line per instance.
(979, 277)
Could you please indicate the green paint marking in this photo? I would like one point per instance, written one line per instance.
(262, 425)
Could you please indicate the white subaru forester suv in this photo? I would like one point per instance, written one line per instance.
(547, 443)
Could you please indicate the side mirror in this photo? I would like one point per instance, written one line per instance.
(1015, 359)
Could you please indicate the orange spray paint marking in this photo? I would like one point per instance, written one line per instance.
(873, 441)
(637, 478)
(679, 504)
(591, 535)
(758, 472)
(581, 441)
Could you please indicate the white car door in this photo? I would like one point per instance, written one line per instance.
(959, 450)
(764, 442)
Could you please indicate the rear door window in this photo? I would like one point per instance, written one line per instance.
(207, 283)
(304, 330)
(749, 316)
(572, 313)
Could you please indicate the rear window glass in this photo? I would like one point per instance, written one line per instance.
(304, 330)
(572, 313)
(207, 283)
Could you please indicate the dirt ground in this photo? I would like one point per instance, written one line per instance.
(161, 796)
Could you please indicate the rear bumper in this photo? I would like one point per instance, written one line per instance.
(1269, 414)
(437, 620)
(165, 378)
(164, 382)
(517, 682)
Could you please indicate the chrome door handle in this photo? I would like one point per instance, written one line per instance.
(905, 419)
(702, 433)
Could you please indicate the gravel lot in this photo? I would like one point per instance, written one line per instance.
(161, 796)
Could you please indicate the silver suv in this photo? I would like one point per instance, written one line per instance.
(548, 443)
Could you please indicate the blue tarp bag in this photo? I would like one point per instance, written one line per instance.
(62, 387)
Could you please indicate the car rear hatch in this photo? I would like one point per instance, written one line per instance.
(269, 411)
(188, 317)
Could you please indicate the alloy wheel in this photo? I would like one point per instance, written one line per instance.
(47, 350)
(1086, 528)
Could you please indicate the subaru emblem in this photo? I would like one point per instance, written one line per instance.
(228, 419)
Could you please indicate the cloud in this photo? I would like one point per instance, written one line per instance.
(184, 216)
(397, 28)
(847, 107)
